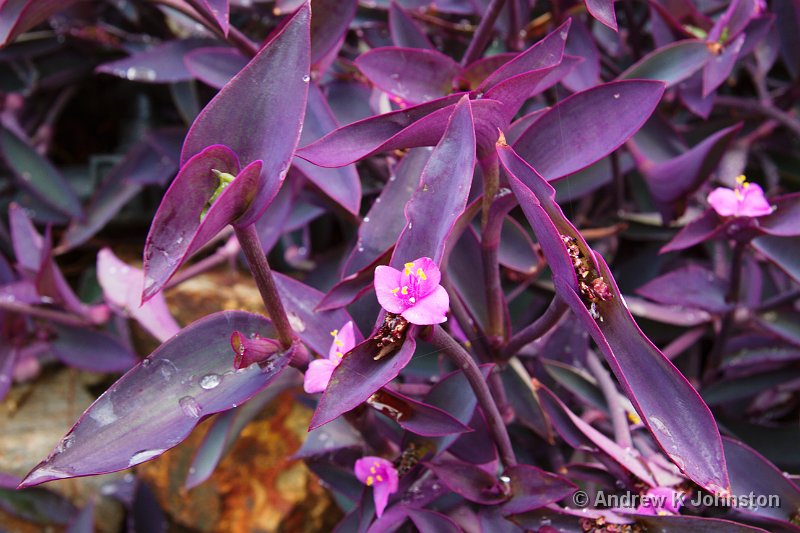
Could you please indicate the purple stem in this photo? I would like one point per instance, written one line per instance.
(490, 242)
(483, 33)
(744, 104)
(257, 261)
(619, 419)
(463, 360)
(543, 324)
(683, 342)
(715, 356)
(53, 315)
(778, 301)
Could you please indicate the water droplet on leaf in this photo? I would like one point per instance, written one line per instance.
(210, 381)
(190, 407)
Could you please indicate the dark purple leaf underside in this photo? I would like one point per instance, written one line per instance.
(27, 242)
(417, 417)
(432, 522)
(328, 26)
(312, 326)
(603, 10)
(692, 286)
(587, 126)
(263, 98)
(532, 488)
(156, 404)
(359, 376)
(90, 350)
(469, 482)
(215, 66)
(404, 31)
(695, 524)
(688, 433)
(672, 63)
(220, 11)
(720, 66)
(18, 16)
(412, 75)
(783, 252)
(163, 63)
(341, 184)
(442, 194)
(476, 72)
(581, 44)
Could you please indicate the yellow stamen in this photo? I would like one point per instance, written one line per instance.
(338, 343)
(370, 481)
(404, 290)
(379, 478)
(395, 291)
(339, 355)
(334, 332)
(741, 180)
(634, 418)
(421, 274)
(372, 470)
(408, 266)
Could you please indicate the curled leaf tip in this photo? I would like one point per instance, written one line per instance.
(249, 350)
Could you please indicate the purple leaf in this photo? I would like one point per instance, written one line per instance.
(695, 524)
(404, 31)
(733, 21)
(312, 326)
(265, 97)
(416, 417)
(28, 243)
(335, 435)
(782, 252)
(688, 435)
(163, 63)
(476, 72)
(581, 44)
(692, 286)
(545, 53)
(122, 284)
(8, 360)
(603, 10)
(516, 250)
(690, 92)
(18, 16)
(359, 376)
(90, 350)
(84, 521)
(368, 136)
(442, 194)
(706, 226)
(672, 63)
(328, 26)
(411, 74)
(341, 184)
(219, 11)
(532, 488)
(40, 506)
(432, 522)
(353, 286)
(215, 66)
(157, 403)
(469, 482)
(719, 66)
(180, 227)
(599, 121)
(37, 175)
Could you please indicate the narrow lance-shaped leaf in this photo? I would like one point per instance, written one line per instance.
(603, 10)
(259, 113)
(672, 63)
(18, 16)
(587, 126)
(329, 25)
(215, 66)
(163, 63)
(686, 430)
(156, 404)
(404, 31)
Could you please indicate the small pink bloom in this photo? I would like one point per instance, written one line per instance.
(320, 370)
(746, 200)
(661, 501)
(414, 293)
(379, 474)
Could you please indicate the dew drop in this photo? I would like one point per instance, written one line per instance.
(144, 455)
(306, 78)
(616, 96)
(210, 381)
(146, 362)
(190, 407)
(296, 322)
(103, 413)
(678, 460)
(65, 444)
(366, 219)
(140, 74)
(660, 426)
(378, 200)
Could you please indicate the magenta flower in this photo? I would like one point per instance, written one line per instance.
(660, 501)
(746, 200)
(379, 474)
(319, 371)
(414, 293)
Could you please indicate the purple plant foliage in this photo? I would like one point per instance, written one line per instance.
(536, 212)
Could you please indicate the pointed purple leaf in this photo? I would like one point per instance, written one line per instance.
(690, 91)
(785, 221)
(122, 288)
(404, 31)
(720, 66)
(312, 326)
(27, 242)
(416, 417)
(163, 63)
(442, 194)
(329, 25)
(476, 72)
(353, 286)
(532, 488)
(470, 482)
(90, 350)
(695, 524)
(692, 286)
(179, 227)
(672, 63)
(341, 184)
(264, 98)
(37, 175)
(581, 44)
(600, 120)
(413, 75)
(220, 12)
(705, 227)
(18, 16)
(215, 66)
(603, 10)
(359, 376)
(690, 435)
(733, 21)
(432, 522)
(782, 252)
(156, 404)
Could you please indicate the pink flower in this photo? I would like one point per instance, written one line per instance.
(746, 200)
(379, 474)
(660, 501)
(414, 293)
(319, 371)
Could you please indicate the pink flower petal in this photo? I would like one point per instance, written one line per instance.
(724, 201)
(380, 492)
(318, 375)
(386, 280)
(347, 338)
(430, 310)
(432, 273)
(754, 203)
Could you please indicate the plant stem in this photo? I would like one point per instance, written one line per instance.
(483, 33)
(543, 324)
(715, 356)
(745, 104)
(257, 261)
(52, 315)
(494, 214)
(622, 433)
(463, 360)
